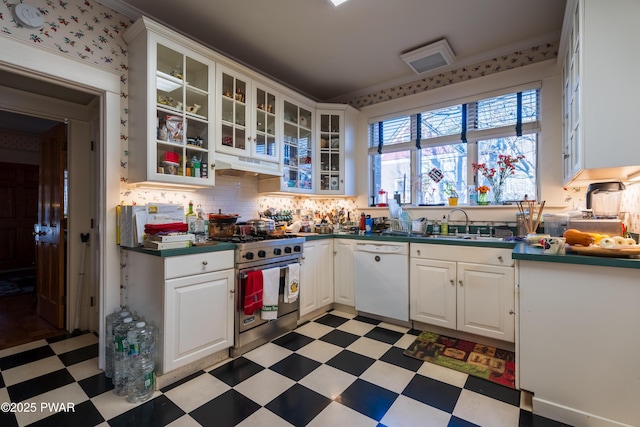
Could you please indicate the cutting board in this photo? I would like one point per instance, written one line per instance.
(615, 251)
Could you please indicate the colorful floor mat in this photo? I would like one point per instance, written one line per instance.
(491, 363)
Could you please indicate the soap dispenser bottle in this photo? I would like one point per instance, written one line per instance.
(444, 226)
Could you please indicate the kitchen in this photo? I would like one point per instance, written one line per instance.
(239, 194)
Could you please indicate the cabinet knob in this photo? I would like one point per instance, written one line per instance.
(418, 251)
(452, 282)
(232, 291)
(205, 262)
(512, 312)
(500, 258)
(460, 281)
(565, 156)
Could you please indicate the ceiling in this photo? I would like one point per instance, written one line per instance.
(333, 53)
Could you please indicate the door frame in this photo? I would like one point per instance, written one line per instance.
(30, 60)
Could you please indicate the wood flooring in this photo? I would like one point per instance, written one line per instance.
(20, 323)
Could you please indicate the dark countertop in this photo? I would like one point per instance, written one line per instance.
(532, 253)
(185, 251)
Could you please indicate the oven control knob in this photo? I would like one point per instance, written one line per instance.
(262, 254)
(297, 248)
(277, 251)
(287, 250)
(248, 255)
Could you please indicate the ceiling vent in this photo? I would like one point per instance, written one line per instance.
(429, 57)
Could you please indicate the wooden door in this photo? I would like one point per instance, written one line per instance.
(49, 230)
(18, 212)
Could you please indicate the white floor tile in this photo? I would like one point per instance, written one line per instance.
(31, 370)
(320, 351)
(445, 375)
(342, 314)
(74, 343)
(197, 392)
(336, 414)
(109, 405)
(264, 386)
(264, 418)
(408, 412)
(268, 354)
(405, 341)
(397, 328)
(526, 401)
(369, 347)
(85, 369)
(388, 376)
(484, 411)
(51, 402)
(314, 330)
(184, 421)
(328, 381)
(356, 327)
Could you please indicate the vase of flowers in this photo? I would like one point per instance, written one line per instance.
(497, 176)
(451, 193)
(483, 195)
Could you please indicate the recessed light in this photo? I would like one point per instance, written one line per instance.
(337, 2)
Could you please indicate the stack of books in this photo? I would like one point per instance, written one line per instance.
(160, 242)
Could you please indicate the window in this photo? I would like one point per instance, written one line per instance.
(405, 151)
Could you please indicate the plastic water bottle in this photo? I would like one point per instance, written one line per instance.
(121, 356)
(141, 376)
(113, 321)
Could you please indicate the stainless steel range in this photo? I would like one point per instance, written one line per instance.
(260, 253)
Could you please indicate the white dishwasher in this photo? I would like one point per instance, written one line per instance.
(381, 273)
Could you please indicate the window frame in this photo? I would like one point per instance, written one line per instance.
(472, 135)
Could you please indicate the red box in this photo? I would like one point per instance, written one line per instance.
(170, 156)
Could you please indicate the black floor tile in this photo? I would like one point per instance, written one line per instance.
(459, 422)
(28, 356)
(331, 320)
(82, 414)
(494, 391)
(384, 335)
(527, 419)
(368, 399)
(433, 393)
(395, 356)
(96, 385)
(182, 381)
(236, 371)
(1, 381)
(295, 366)
(293, 341)
(42, 384)
(413, 331)
(159, 411)
(340, 338)
(228, 409)
(298, 405)
(63, 336)
(367, 320)
(80, 355)
(8, 419)
(351, 362)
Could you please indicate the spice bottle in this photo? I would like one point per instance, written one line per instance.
(363, 222)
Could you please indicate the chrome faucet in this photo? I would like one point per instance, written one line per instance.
(466, 224)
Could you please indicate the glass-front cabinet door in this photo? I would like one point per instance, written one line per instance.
(298, 154)
(182, 114)
(265, 133)
(331, 143)
(233, 89)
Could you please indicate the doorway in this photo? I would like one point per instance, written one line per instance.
(34, 309)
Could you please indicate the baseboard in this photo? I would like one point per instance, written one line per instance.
(169, 378)
(571, 416)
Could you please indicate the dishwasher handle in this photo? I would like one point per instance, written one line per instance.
(382, 249)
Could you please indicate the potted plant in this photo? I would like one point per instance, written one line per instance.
(451, 193)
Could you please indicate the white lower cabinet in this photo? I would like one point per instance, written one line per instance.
(343, 276)
(316, 275)
(463, 288)
(194, 313)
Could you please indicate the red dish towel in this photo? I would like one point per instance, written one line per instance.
(158, 228)
(253, 292)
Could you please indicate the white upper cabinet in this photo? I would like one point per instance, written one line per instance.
(248, 125)
(171, 111)
(600, 92)
(335, 162)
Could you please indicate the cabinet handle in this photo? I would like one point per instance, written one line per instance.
(232, 291)
(500, 258)
(565, 156)
(452, 282)
(418, 251)
(460, 281)
(205, 262)
(377, 258)
(512, 312)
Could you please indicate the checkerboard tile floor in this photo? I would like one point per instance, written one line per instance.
(335, 370)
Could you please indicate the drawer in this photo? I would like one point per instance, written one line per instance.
(187, 265)
(477, 255)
